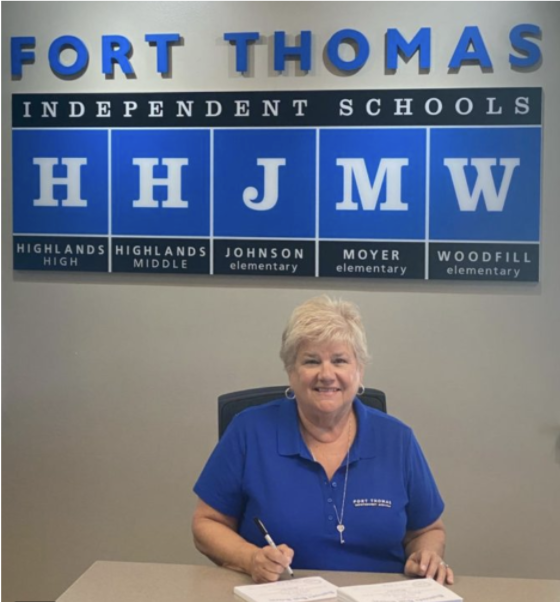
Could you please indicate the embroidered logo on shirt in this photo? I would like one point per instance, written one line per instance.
(372, 502)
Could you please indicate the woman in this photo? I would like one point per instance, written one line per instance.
(343, 486)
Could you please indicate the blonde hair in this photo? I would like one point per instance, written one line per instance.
(323, 320)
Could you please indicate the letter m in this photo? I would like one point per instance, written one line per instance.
(484, 184)
(389, 170)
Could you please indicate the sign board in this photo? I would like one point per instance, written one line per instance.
(402, 184)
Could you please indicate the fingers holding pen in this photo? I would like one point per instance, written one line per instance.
(287, 554)
(270, 562)
(274, 559)
(263, 569)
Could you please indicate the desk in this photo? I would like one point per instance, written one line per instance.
(147, 582)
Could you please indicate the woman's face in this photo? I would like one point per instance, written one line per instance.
(325, 377)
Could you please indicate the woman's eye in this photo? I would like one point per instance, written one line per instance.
(311, 362)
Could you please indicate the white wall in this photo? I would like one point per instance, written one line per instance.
(110, 382)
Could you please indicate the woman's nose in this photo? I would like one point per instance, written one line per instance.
(326, 372)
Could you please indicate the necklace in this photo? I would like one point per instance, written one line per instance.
(340, 517)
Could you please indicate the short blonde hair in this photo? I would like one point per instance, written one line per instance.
(323, 320)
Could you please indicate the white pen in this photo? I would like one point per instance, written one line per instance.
(269, 539)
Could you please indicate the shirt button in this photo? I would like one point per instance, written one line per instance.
(329, 500)
(331, 517)
(334, 484)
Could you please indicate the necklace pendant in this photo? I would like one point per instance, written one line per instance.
(340, 529)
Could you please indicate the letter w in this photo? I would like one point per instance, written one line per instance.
(484, 184)
(389, 169)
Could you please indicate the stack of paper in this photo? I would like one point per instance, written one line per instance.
(416, 590)
(307, 589)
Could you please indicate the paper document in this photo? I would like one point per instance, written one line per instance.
(306, 589)
(415, 590)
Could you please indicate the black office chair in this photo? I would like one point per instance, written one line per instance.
(231, 404)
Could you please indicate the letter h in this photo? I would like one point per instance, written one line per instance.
(172, 182)
(47, 182)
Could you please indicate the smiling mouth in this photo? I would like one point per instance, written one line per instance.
(327, 389)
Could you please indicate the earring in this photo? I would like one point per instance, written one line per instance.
(361, 390)
(289, 393)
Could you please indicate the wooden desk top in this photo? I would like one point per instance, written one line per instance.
(150, 582)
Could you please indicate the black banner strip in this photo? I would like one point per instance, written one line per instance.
(340, 108)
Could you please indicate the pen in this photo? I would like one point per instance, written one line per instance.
(269, 539)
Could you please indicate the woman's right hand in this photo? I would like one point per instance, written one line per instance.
(268, 563)
(216, 536)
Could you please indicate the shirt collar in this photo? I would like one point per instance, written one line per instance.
(290, 441)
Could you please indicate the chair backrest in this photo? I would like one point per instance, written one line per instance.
(231, 404)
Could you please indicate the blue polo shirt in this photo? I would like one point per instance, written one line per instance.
(262, 467)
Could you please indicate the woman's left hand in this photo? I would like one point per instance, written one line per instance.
(424, 563)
